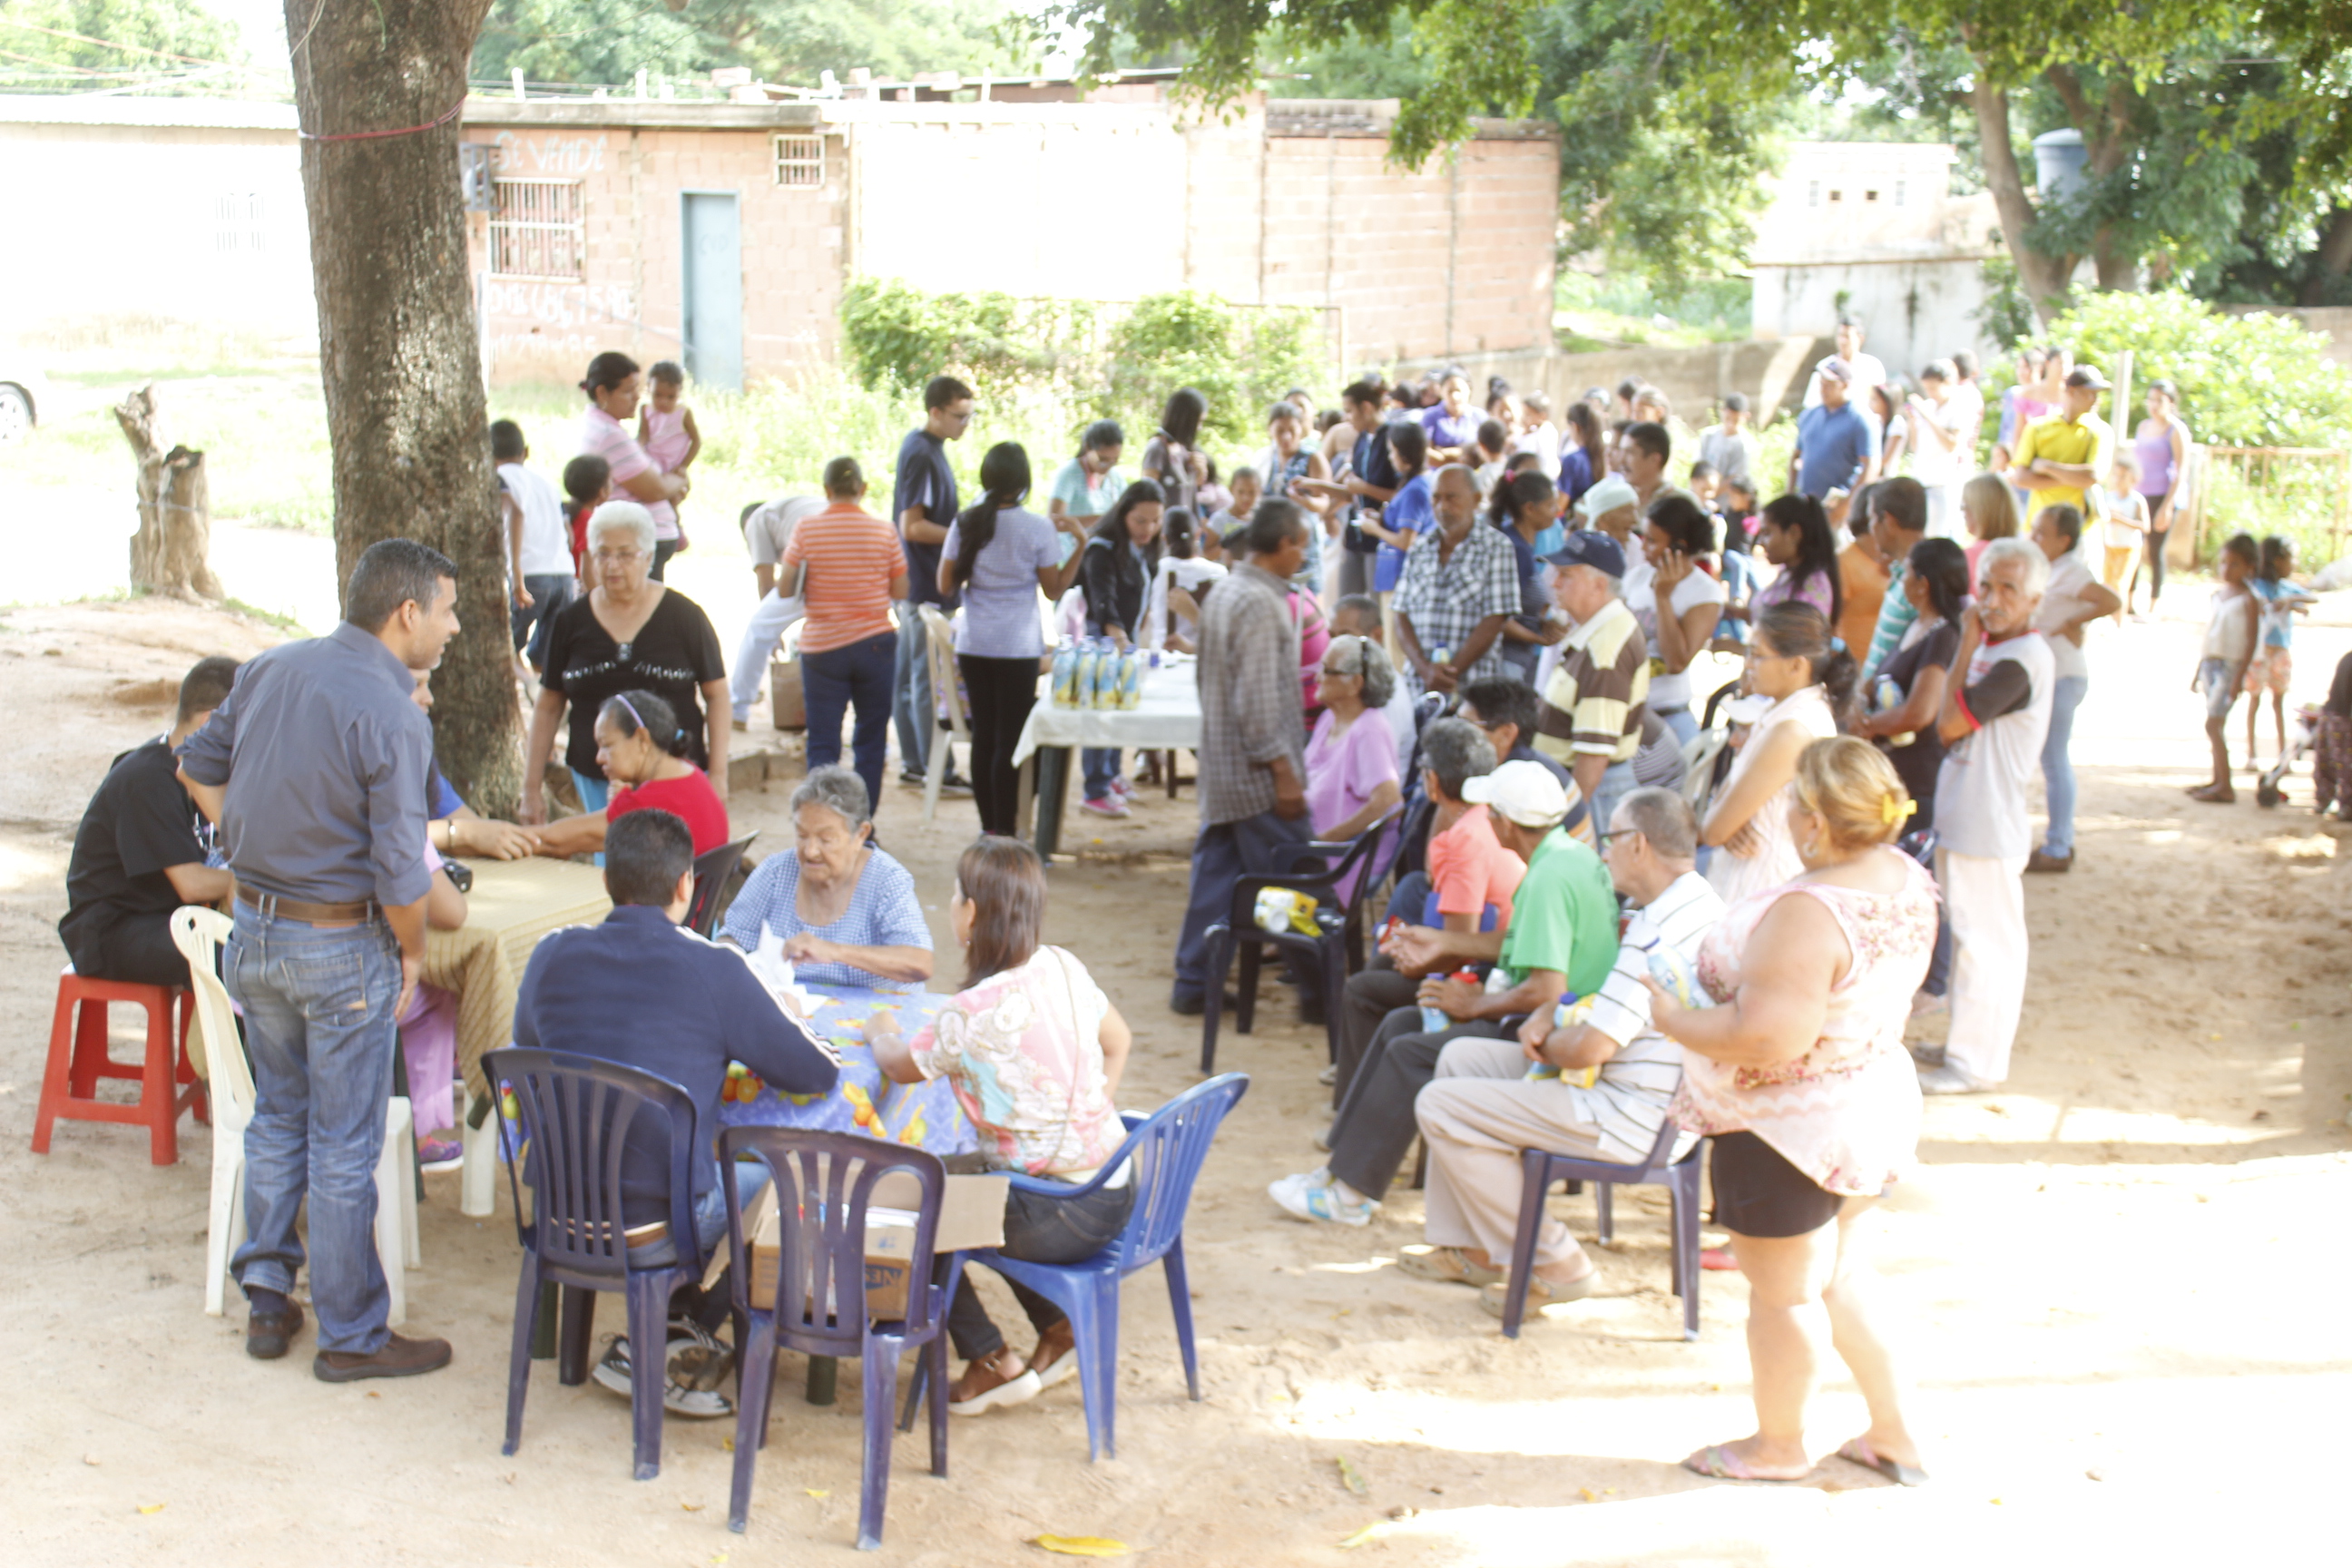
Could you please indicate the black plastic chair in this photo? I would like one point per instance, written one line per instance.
(1328, 947)
(710, 873)
(824, 1184)
(1539, 1168)
(577, 1113)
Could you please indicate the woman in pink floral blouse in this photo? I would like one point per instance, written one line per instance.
(1800, 1075)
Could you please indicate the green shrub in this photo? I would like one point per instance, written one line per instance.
(2244, 381)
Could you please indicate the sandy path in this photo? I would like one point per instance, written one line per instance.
(2123, 1336)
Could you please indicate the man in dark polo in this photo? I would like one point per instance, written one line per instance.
(137, 856)
(315, 768)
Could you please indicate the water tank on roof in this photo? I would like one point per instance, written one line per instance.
(2059, 157)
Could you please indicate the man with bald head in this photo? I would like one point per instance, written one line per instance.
(1460, 583)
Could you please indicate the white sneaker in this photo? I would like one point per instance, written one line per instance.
(1951, 1081)
(1313, 1200)
(1019, 1391)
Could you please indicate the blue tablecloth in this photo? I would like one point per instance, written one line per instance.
(923, 1114)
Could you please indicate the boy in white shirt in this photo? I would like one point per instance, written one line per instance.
(539, 546)
(2124, 512)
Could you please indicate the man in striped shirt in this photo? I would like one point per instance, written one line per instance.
(1591, 716)
(1482, 1110)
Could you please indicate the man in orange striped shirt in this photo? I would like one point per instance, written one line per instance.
(847, 565)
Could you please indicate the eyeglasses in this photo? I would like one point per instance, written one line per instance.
(618, 557)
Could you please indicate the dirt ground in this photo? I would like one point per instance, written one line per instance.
(2126, 1338)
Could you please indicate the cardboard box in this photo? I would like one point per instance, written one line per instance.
(971, 1213)
(784, 698)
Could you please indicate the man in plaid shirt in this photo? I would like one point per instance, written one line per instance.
(1461, 582)
(1252, 737)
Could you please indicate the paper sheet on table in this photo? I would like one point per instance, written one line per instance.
(775, 973)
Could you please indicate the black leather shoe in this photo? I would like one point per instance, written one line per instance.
(1192, 1003)
(269, 1335)
(2041, 860)
(398, 1358)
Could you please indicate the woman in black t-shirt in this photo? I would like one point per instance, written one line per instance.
(1908, 691)
(629, 633)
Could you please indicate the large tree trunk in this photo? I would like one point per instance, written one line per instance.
(2043, 278)
(2335, 258)
(398, 346)
(169, 555)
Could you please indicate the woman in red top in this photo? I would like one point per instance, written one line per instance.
(639, 745)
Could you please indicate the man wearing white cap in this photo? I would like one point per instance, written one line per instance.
(1562, 937)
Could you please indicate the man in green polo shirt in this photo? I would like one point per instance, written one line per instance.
(2060, 455)
(1562, 942)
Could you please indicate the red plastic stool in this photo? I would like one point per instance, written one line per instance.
(78, 1060)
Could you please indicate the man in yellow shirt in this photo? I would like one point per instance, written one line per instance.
(2061, 455)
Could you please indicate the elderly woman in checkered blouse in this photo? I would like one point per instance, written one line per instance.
(847, 910)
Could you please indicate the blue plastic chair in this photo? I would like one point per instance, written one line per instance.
(824, 1184)
(1540, 1168)
(1167, 1148)
(1328, 949)
(577, 1113)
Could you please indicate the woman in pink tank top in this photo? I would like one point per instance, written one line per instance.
(1799, 1073)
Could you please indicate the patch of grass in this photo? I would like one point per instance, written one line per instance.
(1615, 311)
(268, 617)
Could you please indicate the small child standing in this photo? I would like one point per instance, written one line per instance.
(2229, 651)
(2272, 666)
(667, 431)
(2126, 511)
(539, 568)
(587, 484)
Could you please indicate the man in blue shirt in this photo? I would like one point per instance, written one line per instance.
(1837, 443)
(924, 502)
(314, 766)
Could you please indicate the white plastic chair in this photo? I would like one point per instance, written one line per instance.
(199, 932)
(947, 692)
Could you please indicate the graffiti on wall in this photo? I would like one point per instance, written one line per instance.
(515, 305)
(564, 157)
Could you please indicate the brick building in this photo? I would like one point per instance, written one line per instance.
(721, 233)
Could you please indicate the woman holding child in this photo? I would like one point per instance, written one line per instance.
(1034, 1051)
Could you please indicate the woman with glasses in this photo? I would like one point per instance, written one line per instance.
(630, 633)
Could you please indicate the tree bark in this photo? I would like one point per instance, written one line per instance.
(398, 351)
(2335, 258)
(2043, 278)
(170, 553)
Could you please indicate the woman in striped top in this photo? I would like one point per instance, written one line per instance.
(847, 563)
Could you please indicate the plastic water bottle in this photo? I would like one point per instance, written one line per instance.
(1107, 675)
(1065, 675)
(1082, 675)
(1436, 1020)
(1130, 680)
(1438, 655)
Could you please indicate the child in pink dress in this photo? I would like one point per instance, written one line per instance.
(667, 431)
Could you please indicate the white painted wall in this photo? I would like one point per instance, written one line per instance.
(1914, 311)
(178, 223)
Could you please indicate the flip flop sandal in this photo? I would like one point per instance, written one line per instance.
(1718, 1259)
(1719, 1462)
(1541, 1292)
(1860, 1452)
(1447, 1265)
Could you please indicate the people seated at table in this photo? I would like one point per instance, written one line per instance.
(640, 990)
(1799, 1074)
(1352, 763)
(1561, 937)
(140, 852)
(451, 825)
(641, 751)
(846, 911)
(1484, 1107)
(629, 633)
(1471, 879)
(1034, 1051)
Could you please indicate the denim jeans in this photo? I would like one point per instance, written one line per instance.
(1222, 855)
(320, 1008)
(550, 591)
(2057, 767)
(910, 691)
(1101, 763)
(1038, 1228)
(838, 680)
(1617, 782)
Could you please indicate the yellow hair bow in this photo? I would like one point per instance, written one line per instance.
(1892, 810)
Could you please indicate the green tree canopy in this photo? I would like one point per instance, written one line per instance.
(81, 45)
(607, 42)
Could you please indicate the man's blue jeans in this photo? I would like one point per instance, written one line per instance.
(2058, 768)
(320, 1019)
(833, 681)
(550, 591)
(910, 691)
(1221, 855)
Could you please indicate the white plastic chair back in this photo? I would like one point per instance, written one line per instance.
(198, 933)
(947, 692)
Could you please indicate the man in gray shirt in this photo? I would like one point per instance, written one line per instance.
(766, 530)
(1253, 743)
(315, 768)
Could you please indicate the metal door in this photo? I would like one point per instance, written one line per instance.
(713, 324)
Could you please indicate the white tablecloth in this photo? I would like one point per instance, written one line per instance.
(1167, 716)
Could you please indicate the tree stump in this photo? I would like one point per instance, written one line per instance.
(169, 555)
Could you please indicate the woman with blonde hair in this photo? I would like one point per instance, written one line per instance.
(1798, 1073)
(1988, 508)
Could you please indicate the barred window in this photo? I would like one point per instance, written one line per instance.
(536, 229)
(800, 160)
(237, 229)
